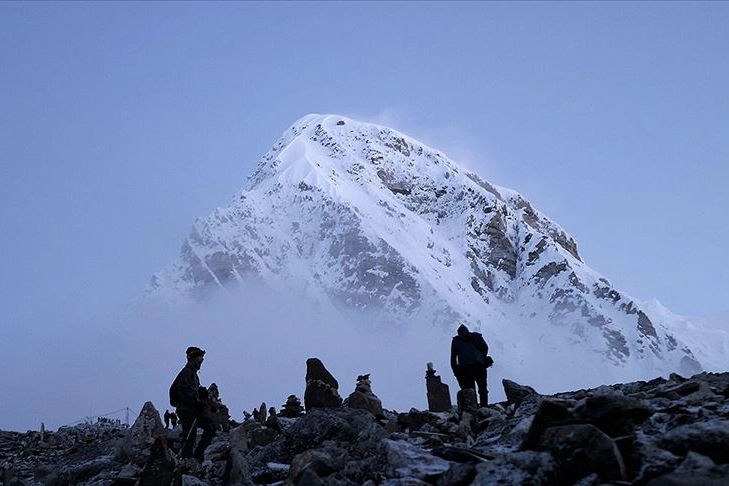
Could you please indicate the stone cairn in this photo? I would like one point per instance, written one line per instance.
(363, 398)
(439, 396)
(292, 408)
(322, 389)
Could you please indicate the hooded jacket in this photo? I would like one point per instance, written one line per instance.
(468, 348)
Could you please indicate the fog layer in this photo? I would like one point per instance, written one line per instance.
(257, 343)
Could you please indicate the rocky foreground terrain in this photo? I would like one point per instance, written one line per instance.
(662, 432)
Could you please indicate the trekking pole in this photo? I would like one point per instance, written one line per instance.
(192, 429)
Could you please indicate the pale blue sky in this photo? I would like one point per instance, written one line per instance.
(123, 122)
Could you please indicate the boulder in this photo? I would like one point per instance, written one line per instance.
(710, 439)
(322, 389)
(160, 468)
(338, 424)
(551, 412)
(239, 473)
(407, 460)
(323, 462)
(417, 420)
(315, 370)
(614, 414)
(467, 401)
(320, 395)
(519, 395)
(645, 461)
(532, 468)
(147, 428)
(257, 434)
(695, 470)
(239, 438)
(583, 449)
(78, 472)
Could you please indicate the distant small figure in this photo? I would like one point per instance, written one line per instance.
(256, 415)
(272, 420)
(167, 419)
(173, 419)
(469, 361)
(192, 408)
(221, 415)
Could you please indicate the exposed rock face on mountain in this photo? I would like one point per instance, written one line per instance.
(659, 432)
(362, 217)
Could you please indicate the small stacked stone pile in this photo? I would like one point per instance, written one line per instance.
(439, 396)
(292, 408)
(363, 398)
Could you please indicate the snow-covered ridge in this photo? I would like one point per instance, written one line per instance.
(361, 217)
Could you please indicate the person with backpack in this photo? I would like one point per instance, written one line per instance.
(191, 407)
(469, 362)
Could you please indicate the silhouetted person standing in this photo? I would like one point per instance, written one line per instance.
(191, 408)
(469, 360)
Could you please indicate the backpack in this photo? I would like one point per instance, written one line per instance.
(174, 395)
(478, 340)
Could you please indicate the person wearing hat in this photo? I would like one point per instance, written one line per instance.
(185, 397)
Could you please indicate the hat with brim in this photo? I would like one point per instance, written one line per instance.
(194, 352)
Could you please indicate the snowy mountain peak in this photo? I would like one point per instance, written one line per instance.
(363, 218)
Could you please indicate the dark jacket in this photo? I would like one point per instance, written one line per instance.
(468, 348)
(186, 387)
